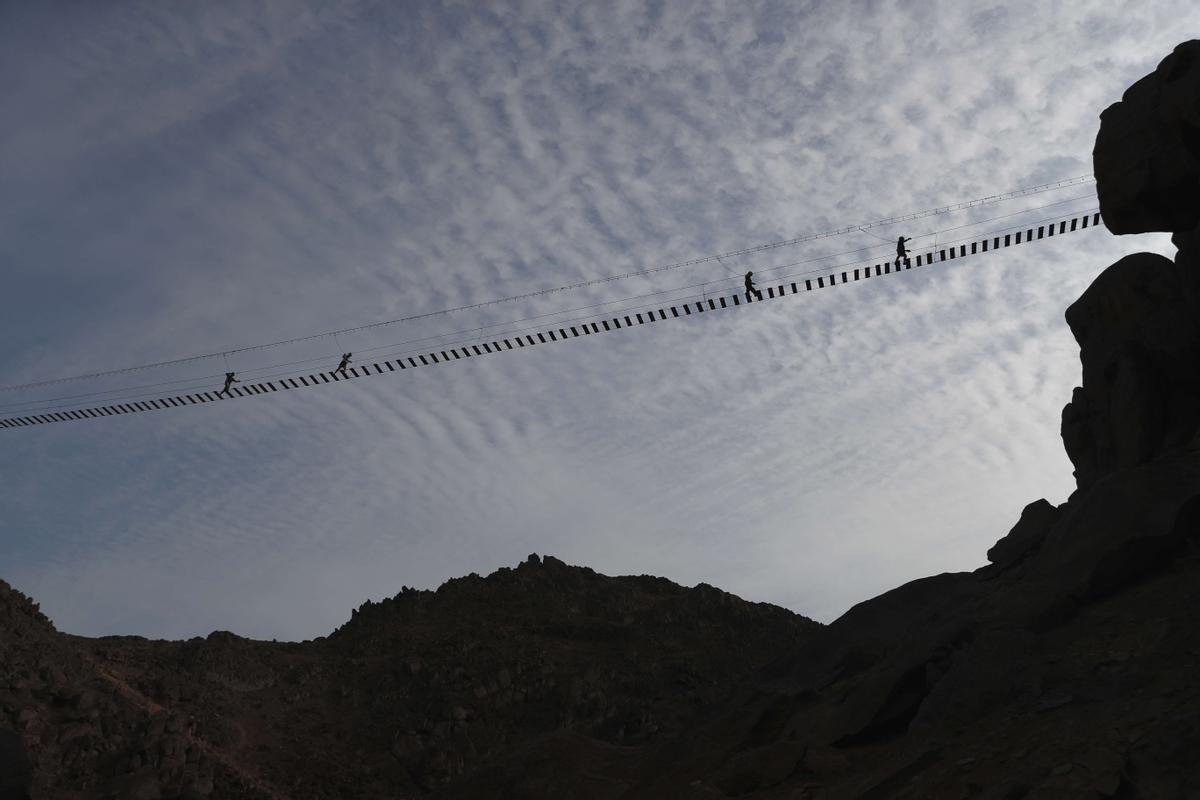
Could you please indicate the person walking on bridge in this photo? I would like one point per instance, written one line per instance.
(230, 380)
(901, 251)
(344, 363)
(750, 290)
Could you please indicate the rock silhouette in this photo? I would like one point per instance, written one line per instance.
(1138, 328)
(1064, 668)
(1147, 154)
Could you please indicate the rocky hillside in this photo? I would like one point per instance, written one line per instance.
(70, 727)
(408, 696)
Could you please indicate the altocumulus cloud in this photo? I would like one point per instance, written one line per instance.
(182, 181)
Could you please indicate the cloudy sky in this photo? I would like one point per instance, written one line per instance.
(180, 179)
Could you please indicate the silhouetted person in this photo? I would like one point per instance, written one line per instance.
(901, 251)
(342, 366)
(229, 381)
(750, 290)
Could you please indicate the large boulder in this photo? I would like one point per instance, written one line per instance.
(1138, 328)
(1147, 153)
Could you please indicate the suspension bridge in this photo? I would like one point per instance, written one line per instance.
(779, 288)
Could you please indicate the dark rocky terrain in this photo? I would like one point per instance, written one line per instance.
(1066, 668)
(408, 696)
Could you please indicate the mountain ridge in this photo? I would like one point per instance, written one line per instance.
(414, 690)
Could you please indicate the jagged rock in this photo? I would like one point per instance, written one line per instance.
(1079, 442)
(1138, 328)
(1123, 527)
(1147, 153)
(1036, 520)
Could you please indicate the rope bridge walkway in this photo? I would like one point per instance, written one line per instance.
(567, 331)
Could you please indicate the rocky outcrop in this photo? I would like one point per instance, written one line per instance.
(1147, 154)
(1138, 328)
(1026, 536)
(1138, 324)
